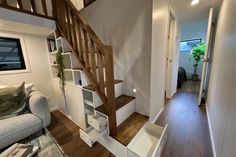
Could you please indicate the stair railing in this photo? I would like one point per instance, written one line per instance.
(95, 58)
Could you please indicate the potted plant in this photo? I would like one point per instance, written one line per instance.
(61, 66)
(197, 53)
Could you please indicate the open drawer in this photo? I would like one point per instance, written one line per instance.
(90, 135)
(98, 122)
(149, 142)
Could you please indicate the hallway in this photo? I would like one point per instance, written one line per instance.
(188, 133)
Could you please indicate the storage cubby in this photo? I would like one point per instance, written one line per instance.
(67, 61)
(74, 62)
(63, 45)
(91, 98)
(79, 78)
(52, 58)
(51, 42)
(68, 76)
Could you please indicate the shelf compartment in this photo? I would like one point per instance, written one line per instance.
(91, 98)
(80, 78)
(68, 76)
(67, 61)
(90, 135)
(63, 45)
(52, 58)
(98, 122)
(149, 141)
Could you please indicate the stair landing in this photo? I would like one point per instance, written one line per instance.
(130, 127)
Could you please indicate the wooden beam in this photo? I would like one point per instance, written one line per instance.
(4, 2)
(33, 6)
(54, 9)
(19, 2)
(44, 5)
(111, 101)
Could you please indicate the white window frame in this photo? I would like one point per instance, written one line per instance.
(24, 52)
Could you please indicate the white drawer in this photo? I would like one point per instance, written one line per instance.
(149, 142)
(90, 135)
(98, 122)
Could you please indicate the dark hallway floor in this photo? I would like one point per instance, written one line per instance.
(188, 134)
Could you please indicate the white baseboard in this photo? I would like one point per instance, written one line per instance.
(211, 134)
(53, 109)
(158, 115)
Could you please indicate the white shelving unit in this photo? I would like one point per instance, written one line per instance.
(71, 102)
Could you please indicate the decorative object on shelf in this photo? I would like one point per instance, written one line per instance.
(196, 54)
(51, 45)
(61, 66)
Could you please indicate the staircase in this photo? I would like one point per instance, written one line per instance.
(94, 57)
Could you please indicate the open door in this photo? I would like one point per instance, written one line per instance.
(206, 66)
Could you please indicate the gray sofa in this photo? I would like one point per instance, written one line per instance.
(19, 127)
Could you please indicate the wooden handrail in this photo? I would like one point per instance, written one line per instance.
(95, 57)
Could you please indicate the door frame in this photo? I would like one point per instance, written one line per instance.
(171, 51)
(208, 53)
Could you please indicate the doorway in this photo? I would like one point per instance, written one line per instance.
(194, 69)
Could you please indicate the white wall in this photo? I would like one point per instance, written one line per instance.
(192, 30)
(221, 101)
(39, 65)
(158, 59)
(126, 25)
(79, 4)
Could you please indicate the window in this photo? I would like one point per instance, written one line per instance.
(11, 55)
(188, 45)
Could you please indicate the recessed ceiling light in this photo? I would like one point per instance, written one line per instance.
(194, 2)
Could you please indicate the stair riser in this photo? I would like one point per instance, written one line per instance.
(118, 89)
(123, 113)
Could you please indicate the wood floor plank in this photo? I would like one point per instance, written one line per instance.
(188, 134)
(67, 135)
(130, 127)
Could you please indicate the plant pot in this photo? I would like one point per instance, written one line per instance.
(195, 77)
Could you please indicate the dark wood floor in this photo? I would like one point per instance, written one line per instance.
(130, 127)
(67, 135)
(191, 86)
(188, 134)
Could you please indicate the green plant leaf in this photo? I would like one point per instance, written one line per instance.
(61, 66)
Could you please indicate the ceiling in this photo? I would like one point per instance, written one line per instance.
(187, 13)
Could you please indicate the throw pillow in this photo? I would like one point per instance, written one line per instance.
(28, 87)
(12, 101)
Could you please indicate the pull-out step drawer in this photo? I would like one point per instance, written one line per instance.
(90, 136)
(149, 142)
(98, 122)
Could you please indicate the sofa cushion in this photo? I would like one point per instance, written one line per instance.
(16, 128)
(28, 87)
(12, 101)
